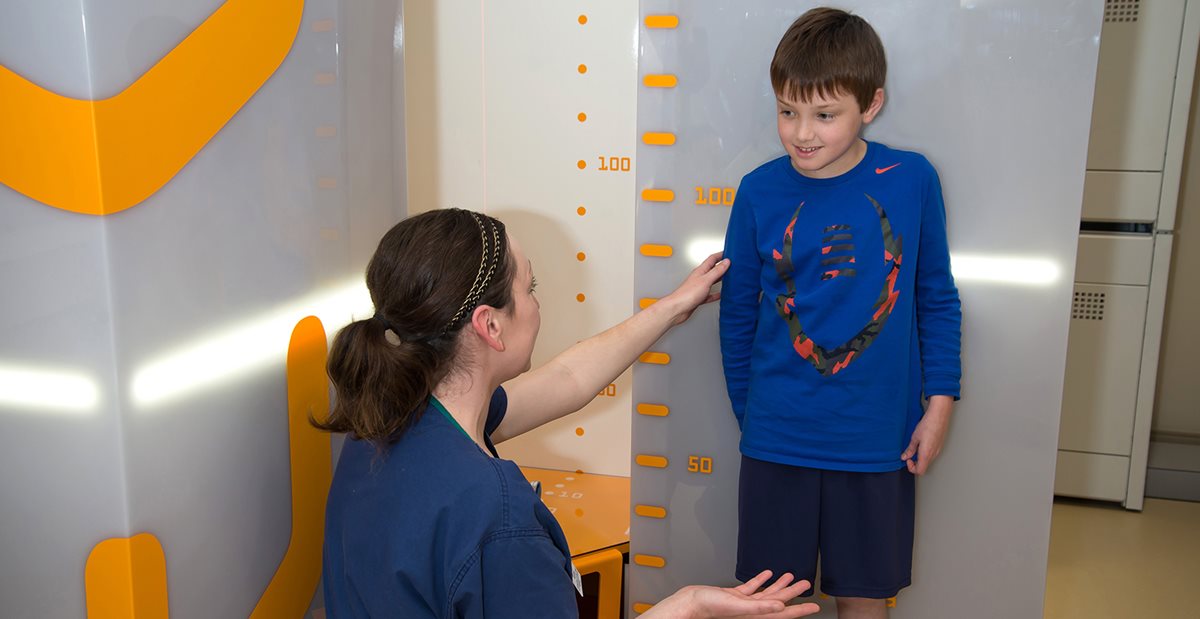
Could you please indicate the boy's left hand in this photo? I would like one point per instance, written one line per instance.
(929, 435)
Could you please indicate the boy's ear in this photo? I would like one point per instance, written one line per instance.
(873, 109)
(485, 325)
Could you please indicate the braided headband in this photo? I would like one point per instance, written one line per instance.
(483, 277)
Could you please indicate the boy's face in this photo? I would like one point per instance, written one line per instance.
(821, 136)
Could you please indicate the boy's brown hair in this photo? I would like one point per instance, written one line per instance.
(829, 52)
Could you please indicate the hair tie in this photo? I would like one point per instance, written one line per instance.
(387, 326)
(410, 339)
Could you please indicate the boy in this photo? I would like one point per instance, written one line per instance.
(839, 315)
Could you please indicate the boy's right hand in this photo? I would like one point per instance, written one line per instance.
(929, 435)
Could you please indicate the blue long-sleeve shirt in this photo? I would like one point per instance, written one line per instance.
(839, 312)
(434, 528)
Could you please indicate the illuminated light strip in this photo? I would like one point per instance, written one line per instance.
(649, 560)
(662, 21)
(653, 410)
(658, 195)
(646, 302)
(24, 388)
(1005, 270)
(657, 251)
(657, 358)
(231, 352)
(650, 511)
(699, 249)
(658, 462)
(659, 139)
(641, 607)
(660, 81)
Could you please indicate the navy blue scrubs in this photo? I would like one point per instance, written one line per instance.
(433, 527)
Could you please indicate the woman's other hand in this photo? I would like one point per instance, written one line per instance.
(745, 601)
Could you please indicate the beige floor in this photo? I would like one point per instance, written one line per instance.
(1109, 562)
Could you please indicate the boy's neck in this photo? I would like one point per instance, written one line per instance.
(857, 153)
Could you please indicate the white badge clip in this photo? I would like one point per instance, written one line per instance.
(576, 579)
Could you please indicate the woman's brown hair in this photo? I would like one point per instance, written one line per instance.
(427, 276)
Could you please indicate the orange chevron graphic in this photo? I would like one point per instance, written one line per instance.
(295, 581)
(104, 156)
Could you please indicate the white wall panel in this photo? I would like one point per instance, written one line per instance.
(494, 125)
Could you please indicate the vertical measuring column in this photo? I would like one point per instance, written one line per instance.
(685, 455)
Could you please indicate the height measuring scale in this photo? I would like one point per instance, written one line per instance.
(685, 458)
(962, 78)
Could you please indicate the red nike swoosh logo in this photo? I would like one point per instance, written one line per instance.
(882, 170)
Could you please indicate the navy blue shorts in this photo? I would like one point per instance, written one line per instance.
(860, 524)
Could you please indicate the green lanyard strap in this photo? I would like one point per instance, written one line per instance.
(445, 413)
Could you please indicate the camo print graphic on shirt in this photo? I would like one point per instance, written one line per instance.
(831, 361)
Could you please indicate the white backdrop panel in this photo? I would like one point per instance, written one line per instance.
(997, 94)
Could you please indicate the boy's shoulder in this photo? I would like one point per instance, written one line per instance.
(768, 171)
(884, 157)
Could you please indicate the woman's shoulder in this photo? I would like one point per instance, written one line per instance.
(509, 498)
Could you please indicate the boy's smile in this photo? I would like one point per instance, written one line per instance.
(821, 136)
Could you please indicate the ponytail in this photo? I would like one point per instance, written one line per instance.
(428, 274)
(382, 382)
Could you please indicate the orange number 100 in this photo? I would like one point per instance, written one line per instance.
(719, 196)
(615, 164)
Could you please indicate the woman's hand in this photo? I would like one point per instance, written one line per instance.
(573, 378)
(696, 289)
(741, 602)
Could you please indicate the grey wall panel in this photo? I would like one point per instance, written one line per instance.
(61, 473)
(45, 42)
(61, 481)
(271, 221)
(997, 94)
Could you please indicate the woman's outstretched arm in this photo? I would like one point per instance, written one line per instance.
(570, 380)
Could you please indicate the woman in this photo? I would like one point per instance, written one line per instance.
(424, 519)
